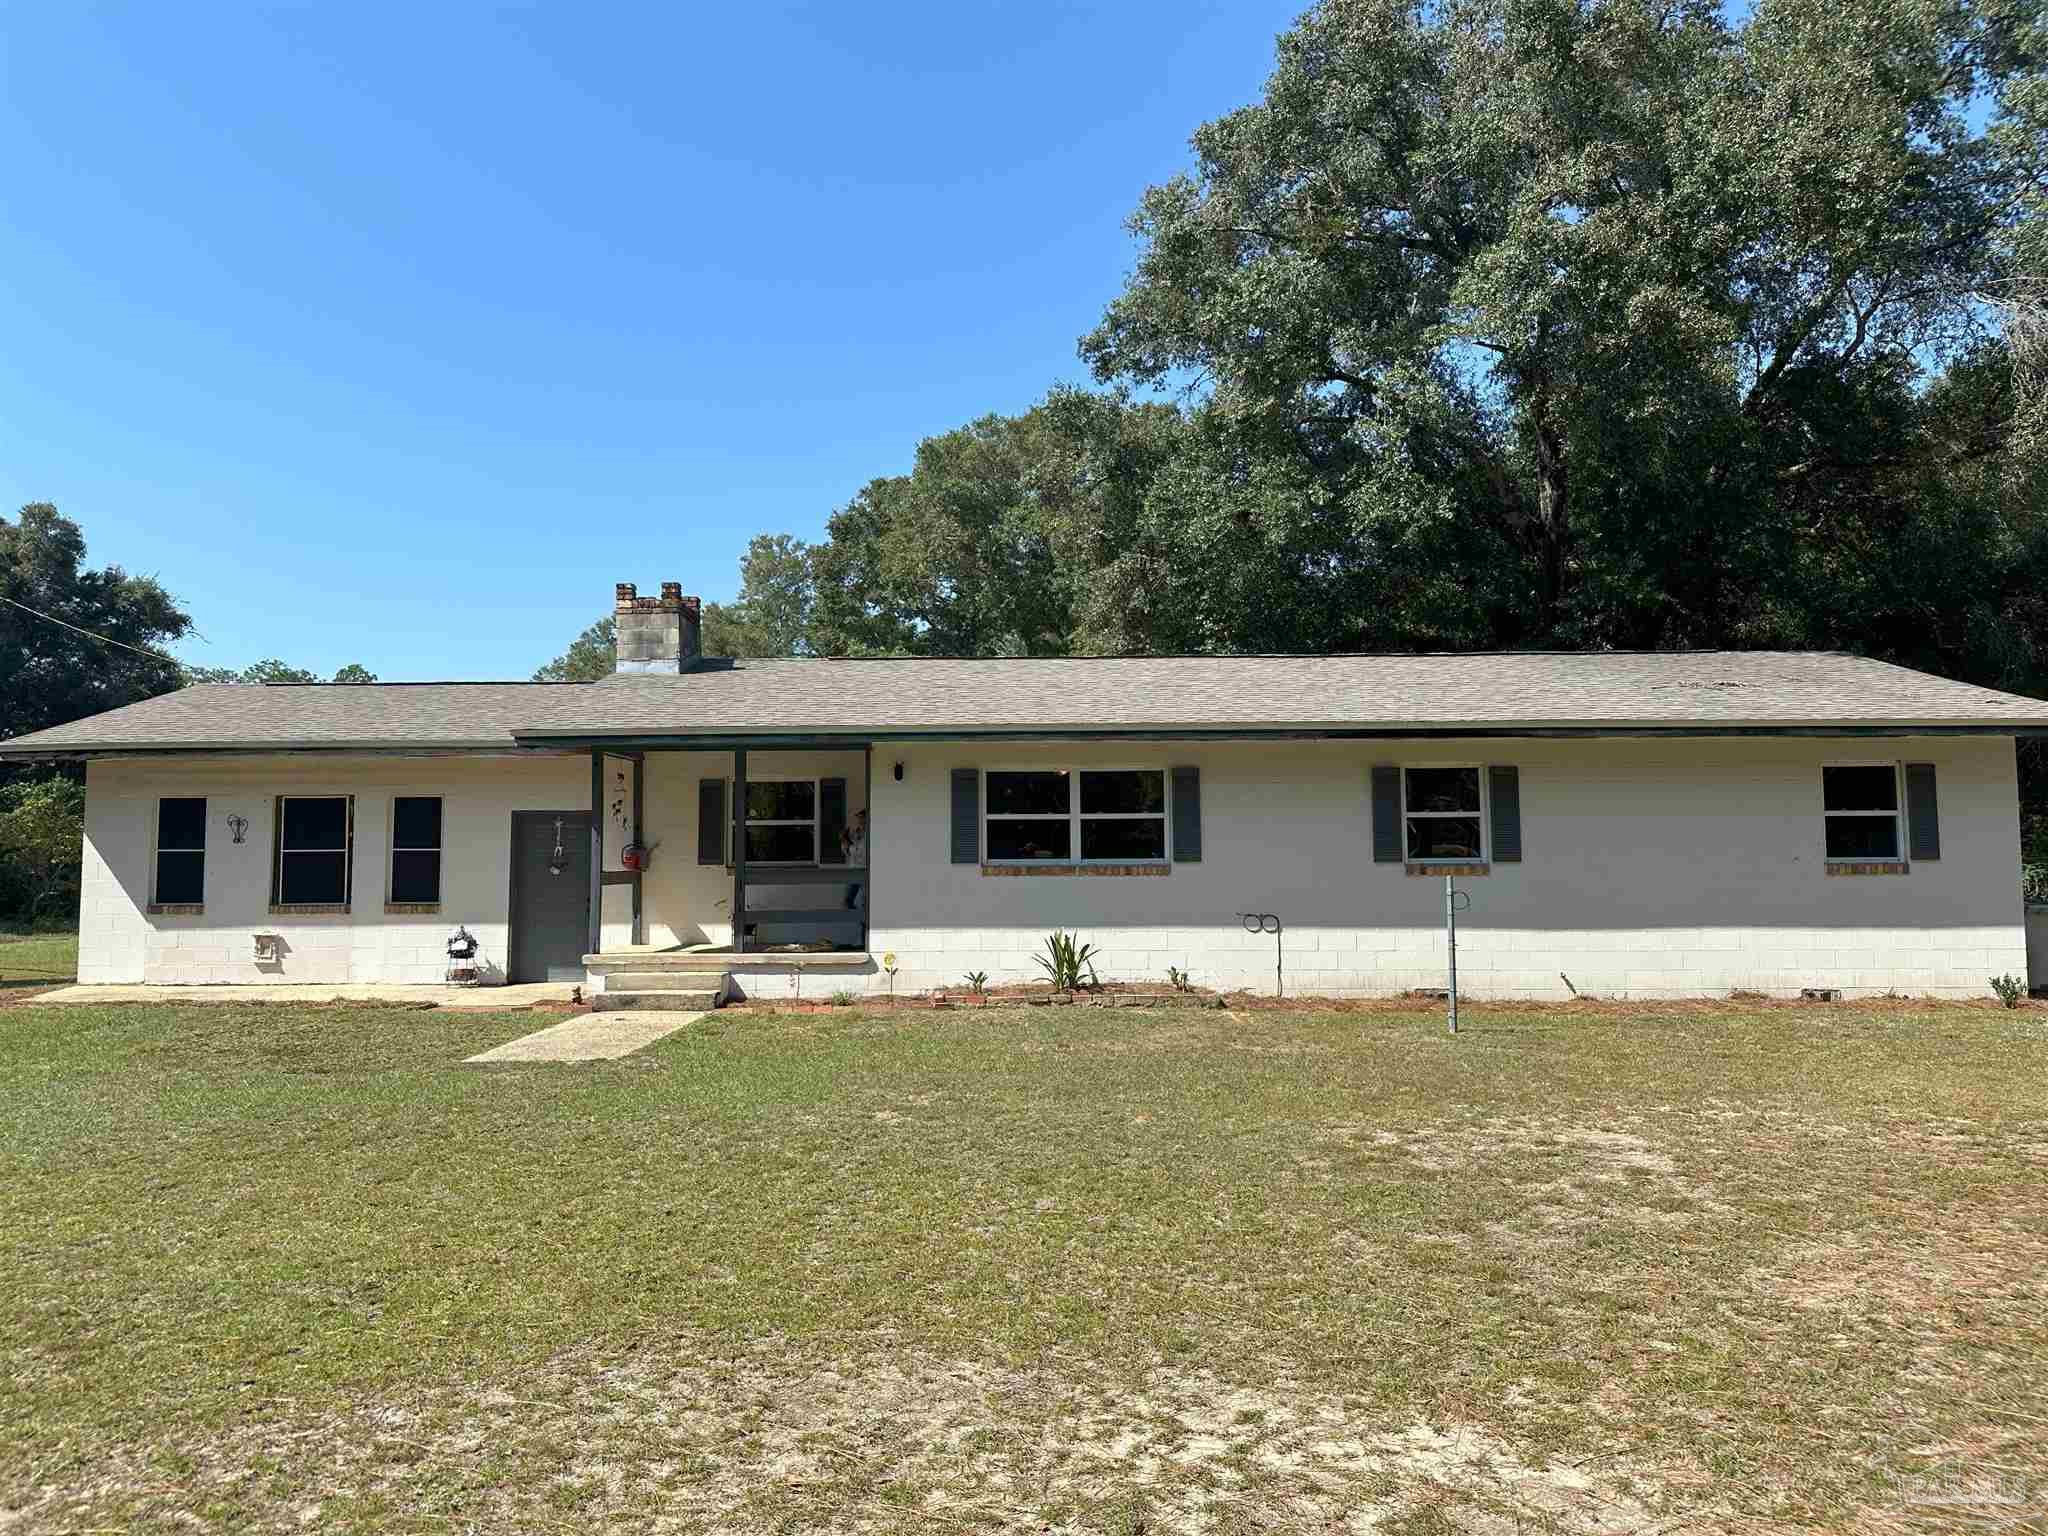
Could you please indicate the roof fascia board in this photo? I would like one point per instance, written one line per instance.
(804, 740)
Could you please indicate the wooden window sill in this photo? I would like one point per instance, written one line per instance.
(1870, 867)
(177, 909)
(308, 909)
(1112, 870)
(1440, 870)
(411, 908)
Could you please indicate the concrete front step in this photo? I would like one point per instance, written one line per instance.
(690, 1002)
(660, 981)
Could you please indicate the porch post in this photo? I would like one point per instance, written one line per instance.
(739, 850)
(867, 809)
(639, 761)
(596, 851)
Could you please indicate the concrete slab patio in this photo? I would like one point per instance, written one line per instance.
(592, 1037)
(523, 995)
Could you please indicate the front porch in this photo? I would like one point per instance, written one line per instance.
(706, 861)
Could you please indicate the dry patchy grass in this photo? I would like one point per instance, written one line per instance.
(1078, 1270)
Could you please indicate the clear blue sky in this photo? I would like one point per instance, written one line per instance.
(398, 334)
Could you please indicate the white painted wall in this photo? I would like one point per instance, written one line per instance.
(1652, 869)
(121, 941)
(1673, 868)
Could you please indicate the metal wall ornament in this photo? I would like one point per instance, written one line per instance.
(559, 859)
(238, 827)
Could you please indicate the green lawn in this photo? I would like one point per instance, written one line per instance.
(1091, 1270)
(36, 959)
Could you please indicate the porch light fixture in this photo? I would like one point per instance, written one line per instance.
(899, 770)
(238, 827)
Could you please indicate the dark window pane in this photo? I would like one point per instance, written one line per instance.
(416, 823)
(181, 824)
(1137, 791)
(315, 823)
(1863, 837)
(320, 878)
(1443, 837)
(180, 877)
(794, 800)
(781, 845)
(415, 877)
(1443, 789)
(1030, 839)
(1028, 794)
(1860, 789)
(1141, 838)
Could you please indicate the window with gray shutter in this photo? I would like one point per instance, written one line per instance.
(966, 815)
(1187, 815)
(1923, 814)
(1504, 795)
(1386, 813)
(711, 821)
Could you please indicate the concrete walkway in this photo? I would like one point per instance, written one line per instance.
(523, 995)
(592, 1036)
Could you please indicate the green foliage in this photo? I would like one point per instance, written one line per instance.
(1179, 979)
(42, 842)
(2010, 990)
(272, 670)
(1067, 963)
(977, 983)
(843, 998)
(49, 673)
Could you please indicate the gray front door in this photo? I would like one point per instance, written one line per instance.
(550, 911)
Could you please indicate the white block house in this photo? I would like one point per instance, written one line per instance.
(1648, 825)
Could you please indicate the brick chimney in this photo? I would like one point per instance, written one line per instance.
(656, 634)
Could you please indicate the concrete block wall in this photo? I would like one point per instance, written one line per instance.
(1651, 869)
(120, 940)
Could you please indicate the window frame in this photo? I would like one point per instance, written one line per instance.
(815, 822)
(278, 900)
(392, 850)
(157, 850)
(1897, 813)
(1074, 816)
(1481, 813)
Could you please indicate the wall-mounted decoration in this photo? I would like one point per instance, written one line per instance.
(238, 827)
(559, 859)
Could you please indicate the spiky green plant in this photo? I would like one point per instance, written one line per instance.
(1065, 960)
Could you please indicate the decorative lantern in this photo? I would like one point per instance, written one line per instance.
(634, 856)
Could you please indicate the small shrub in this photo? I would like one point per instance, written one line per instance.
(2034, 882)
(1179, 979)
(1065, 960)
(843, 999)
(2010, 990)
(977, 983)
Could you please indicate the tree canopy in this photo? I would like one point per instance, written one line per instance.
(52, 668)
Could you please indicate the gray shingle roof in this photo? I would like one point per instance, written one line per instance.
(1073, 695)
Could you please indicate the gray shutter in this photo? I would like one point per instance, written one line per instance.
(966, 815)
(711, 821)
(1923, 815)
(1386, 813)
(1504, 788)
(831, 820)
(1187, 815)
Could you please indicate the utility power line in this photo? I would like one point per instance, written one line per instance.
(103, 639)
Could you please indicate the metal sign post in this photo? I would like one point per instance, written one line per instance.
(1455, 901)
